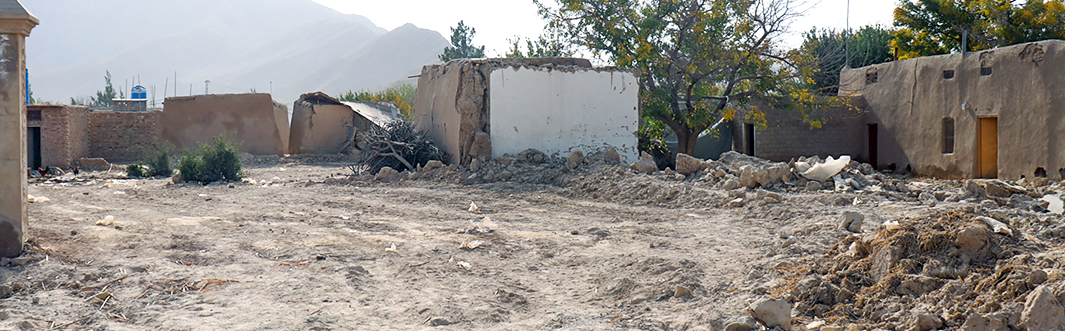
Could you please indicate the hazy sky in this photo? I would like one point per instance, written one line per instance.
(497, 20)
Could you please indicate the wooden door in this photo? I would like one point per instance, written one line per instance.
(987, 146)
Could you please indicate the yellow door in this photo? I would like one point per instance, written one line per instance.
(987, 157)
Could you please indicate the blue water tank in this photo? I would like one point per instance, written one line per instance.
(139, 93)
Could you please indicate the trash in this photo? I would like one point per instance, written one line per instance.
(485, 226)
(31, 198)
(473, 207)
(120, 192)
(108, 220)
(248, 181)
(996, 226)
(891, 225)
(815, 324)
(851, 221)
(471, 245)
(391, 249)
(465, 265)
(823, 171)
(1055, 203)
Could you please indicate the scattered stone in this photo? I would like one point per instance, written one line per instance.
(978, 322)
(688, 165)
(681, 291)
(974, 188)
(646, 164)
(925, 321)
(176, 179)
(813, 186)
(433, 164)
(996, 226)
(744, 323)
(386, 173)
(772, 313)
(413, 175)
(851, 221)
(475, 165)
(574, 160)
(482, 147)
(611, 156)
(763, 194)
(1042, 311)
(439, 321)
(731, 184)
(22, 260)
(928, 199)
(972, 240)
(108, 220)
(735, 203)
(505, 175)
(901, 187)
(5, 290)
(996, 189)
(533, 155)
(1036, 278)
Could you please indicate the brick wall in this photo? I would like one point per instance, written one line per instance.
(787, 136)
(64, 136)
(122, 137)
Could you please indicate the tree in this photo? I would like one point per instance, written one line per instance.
(930, 27)
(402, 96)
(104, 98)
(699, 60)
(548, 45)
(462, 44)
(829, 51)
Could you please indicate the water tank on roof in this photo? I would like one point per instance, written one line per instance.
(139, 93)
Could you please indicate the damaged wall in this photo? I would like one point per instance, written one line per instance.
(914, 101)
(557, 111)
(260, 124)
(324, 125)
(64, 133)
(578, 106)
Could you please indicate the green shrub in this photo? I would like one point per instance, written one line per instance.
(159, 162)
(135, 170)
(220, 161)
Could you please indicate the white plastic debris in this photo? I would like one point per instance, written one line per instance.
(473, 207)
(486, 225)
(31, 198)
(471, 245)
(465, 265)
(823, 171)
(891, 225)
(1055, 204)
(996, 226)
(815, 325)
(108, 220)
(391, 249)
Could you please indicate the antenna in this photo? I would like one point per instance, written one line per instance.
(166, 86)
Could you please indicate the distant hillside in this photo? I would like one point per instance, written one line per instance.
(291, 46)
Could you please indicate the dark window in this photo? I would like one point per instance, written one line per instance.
(33, 115)
(748, 138)
(871, 77)
(985, 71)
(948, 135)
(948, 74)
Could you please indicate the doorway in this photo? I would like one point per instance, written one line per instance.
(748, 139)
(33, 148)
(987, 148)
(872, 145)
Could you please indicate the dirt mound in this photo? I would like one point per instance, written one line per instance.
(932, 272)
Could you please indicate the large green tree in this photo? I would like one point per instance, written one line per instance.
(930, 27)
(549, 44)
(830, 50)
(700, 60)
(462, 44)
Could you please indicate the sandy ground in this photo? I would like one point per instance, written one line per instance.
(308, 248)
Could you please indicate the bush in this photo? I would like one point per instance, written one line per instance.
(159, 162)
(219, 161)
(136, 170)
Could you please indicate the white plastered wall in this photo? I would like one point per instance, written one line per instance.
(558, 111)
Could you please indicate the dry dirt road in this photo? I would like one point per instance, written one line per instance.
(306, 248)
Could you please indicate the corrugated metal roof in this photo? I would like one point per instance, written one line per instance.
(378, 114)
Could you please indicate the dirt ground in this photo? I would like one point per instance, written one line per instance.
(305, 245)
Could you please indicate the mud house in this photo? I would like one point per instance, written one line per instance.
(994, 113)
(486, 108)
(324, 125)
(259, 123)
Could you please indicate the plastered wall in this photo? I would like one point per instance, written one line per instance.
(255, 119)
(910, 99)
(557, 111)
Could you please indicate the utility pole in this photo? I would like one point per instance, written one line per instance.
(206, 86)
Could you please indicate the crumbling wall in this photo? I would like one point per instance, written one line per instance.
(560, 109)
(259, 124)
(449, 104)
(122, 136)
(1019, 85)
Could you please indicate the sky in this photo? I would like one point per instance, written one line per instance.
(498, 20)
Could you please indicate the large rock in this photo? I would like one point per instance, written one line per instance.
(978, 322)
(1042, 311)
(482, 147)
(687, 165)
(973, 240)
(772, 313)
(574, 160)
(645, 165)
(386, 173)
(851, 221)
(996, 189)
(611, 156)
(742, 323)
(925, 321)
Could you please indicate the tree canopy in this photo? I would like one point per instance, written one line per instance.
(930, 27)
(462, 44)
(829, 52)
(547, 45)
(700, 60)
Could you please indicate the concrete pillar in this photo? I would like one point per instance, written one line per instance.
(15, 26)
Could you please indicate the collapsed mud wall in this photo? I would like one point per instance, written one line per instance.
(320, 125)
(453, 103)
(259, 124)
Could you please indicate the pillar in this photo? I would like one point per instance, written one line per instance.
(15, 26)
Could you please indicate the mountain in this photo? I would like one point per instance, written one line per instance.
(287, 46)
